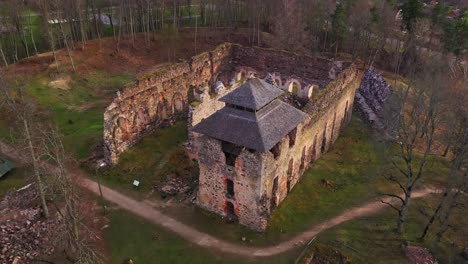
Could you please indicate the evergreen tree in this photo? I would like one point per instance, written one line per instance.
(455, 36)
(339, 26)
(439, 13)
(411, 10)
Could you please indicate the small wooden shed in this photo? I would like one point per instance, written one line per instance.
(5, 166)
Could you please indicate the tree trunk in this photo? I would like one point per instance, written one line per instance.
(434, 216)
(31, 32)
(446, 150)
(3, 56)
(37, 173)
(67, 47)
(402, 214)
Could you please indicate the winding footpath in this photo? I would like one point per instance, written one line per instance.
(191, 234)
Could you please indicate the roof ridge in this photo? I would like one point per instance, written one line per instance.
(252, 94)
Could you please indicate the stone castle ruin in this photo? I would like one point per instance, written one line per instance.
(257, 118)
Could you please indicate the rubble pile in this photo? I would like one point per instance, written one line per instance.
(418, 254)
(24, 234)
(371, 98)
(174, 186)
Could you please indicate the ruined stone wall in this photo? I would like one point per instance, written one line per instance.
(329, 114)
(157, 98)
(254, 173)
(287, 66)
(160, 96)
(246, 175)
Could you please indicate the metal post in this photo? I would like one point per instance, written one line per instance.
(100, 190)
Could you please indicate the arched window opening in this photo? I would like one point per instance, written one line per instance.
(276, 150)
(324, 140)
(302, 166)
(345, 113)
(274, 192)
(230, 187)
(290, 172)
(333, 127)
(292, 137)
(294, 88)
(313, 155)
(230, 211)
(231, 152)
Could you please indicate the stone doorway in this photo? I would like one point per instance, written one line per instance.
(274, 193)
(230, 212)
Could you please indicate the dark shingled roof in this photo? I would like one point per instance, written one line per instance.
(253, 94)
(260, 131)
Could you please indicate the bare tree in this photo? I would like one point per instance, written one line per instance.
(67, 40)
(3, 56)
(77, 237)
(421, 107)
(44, 6)
(457, 178)
(17, 103)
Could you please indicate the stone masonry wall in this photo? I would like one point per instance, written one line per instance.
(254, 173)
(214, 173)
(157, 98)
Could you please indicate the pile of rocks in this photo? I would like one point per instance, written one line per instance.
(24, 234)
(371, 98)
(174, 186)
(417, 254)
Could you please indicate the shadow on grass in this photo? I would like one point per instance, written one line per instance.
(352, 167)
(373, 239)
(129, 236)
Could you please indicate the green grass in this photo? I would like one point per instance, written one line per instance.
(373, 239)
(129, 236)
(78, 111)
(353, 166)
(34, 25)
(152, 159)
(15, 179)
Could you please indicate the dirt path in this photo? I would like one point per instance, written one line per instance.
(202, 239)
(155, 216)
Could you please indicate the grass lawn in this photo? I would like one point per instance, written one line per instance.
(151, 160)
(353, 166)
(129, 236)
(373, 240)
(78, 111)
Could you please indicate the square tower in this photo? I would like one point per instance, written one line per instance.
(238, 172)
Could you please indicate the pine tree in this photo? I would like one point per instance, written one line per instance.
(339, 25)
(455, 37)
(411, 10)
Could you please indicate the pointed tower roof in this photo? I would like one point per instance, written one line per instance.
(260, 129)
(253, 94)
